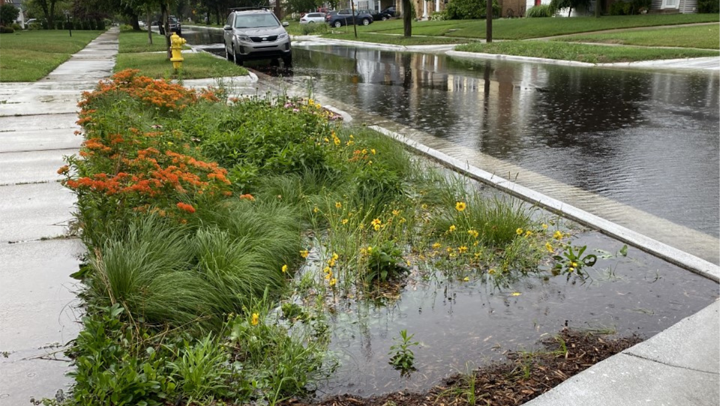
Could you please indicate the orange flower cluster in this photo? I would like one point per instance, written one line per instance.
(158, 93)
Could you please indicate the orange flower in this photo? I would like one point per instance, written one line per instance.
(186, 207)
(247, 196)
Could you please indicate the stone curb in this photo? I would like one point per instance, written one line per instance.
(654, 247)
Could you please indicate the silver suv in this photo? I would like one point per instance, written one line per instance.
(256, 34)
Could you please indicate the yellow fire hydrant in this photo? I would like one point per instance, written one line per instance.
(176, 43)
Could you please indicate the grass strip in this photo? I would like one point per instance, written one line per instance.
(523, 28)
(137, 41)
(699, 36)
(196, 66)
(28, 56)
(393, 39)
(582, 52)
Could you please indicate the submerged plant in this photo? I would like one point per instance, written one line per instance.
(402, 357)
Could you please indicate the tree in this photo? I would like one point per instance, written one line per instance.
(8, 14)
(48, 9)
(301, 5)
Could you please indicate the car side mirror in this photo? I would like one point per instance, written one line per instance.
(227, 28)
(286, 24)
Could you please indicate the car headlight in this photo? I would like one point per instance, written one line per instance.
(243, 38)
(282, 36)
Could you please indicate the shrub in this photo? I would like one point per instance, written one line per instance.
(6, 30)
(708, 6)
(308, 29)
(542, 10)
(8, 14)
(469, 9)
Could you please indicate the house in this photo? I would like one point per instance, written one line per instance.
(674, 6)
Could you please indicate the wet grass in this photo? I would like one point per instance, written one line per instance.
(700, 36)
(28, 56)
(582, 52)
(195, 66)
(392, 39)
(134, 41)
(523, 28)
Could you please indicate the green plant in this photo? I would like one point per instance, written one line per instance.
(202, 369)
(572, 260)
(542, 10)
(402, 357)
(385, 262)
(708, 6)
(467, 9)
(8, 14)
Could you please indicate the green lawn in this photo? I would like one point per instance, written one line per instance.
(522, 28)
(135, 41)
(700, 36)
(392, 39)
(195, 66)
(582, 52)
(28, 56)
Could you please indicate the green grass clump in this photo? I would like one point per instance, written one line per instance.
(582, 52)
(28, 56)
(701, 36)
(195, 66)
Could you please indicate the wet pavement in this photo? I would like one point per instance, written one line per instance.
(38, 304)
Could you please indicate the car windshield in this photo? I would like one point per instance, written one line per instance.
(256, 21)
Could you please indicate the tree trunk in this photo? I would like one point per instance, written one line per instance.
(134, 21)
(569, 11)
(407, 18)
(166, 23)
(52, 14)
(488, 22)
(148, 25)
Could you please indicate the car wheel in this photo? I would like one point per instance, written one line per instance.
(238, 59)
(337, 24)
(365, 21)
(287, 60)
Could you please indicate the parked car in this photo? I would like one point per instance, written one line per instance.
(256, 34)
(31, 21)
(175, 26)
(329, 15)
(311, 18)
(376, 15)
(389, 10)
(346, 17)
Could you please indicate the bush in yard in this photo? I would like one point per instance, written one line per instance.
(8, 14)
(469, 9)
(543, 10)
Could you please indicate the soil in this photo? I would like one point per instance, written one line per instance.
(522, 377)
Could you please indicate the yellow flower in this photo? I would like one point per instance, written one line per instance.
(369, 249)
(327, 270)
(335, 256)
(528, 233)
(571, 269)
(304, 253)
(349, 143)
(549, 247)
(255, 319)
(449, 250)
(460, 206)
(344, 221)
(452, 228)
(462, 249)
(336, 140)
(376, 222)
(331, 262)
(327, 139)
(473, 233)
(408, 262)
(544, 226)
(338, 205)
(284, 268)
(315, 210)
(364, 151)
(328, 276)
(377, 227)
(424, 206)
(396, 212)
(574, 264)
(333, 281)
(558, 235)
(491, 271)
(311, 101)
(363, 251)
(352, 136)
(437, 245)
(373, 151)
(519, 231)
(515, 294)
(466, 279)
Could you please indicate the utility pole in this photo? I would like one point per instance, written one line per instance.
(488, 16)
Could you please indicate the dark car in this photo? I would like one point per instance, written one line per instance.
(174, 26)
(377, 15)
(346, 17)
(389, 10)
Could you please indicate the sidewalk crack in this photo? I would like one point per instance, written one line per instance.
(672, 365)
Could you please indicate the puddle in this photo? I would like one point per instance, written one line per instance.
(468, 324)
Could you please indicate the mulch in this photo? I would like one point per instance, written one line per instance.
(522, 377)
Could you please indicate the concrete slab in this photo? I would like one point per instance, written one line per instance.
(692, 343)
(38, 313)
(34, 211)
(33, 166)
(624, 380)
(39, 140)
(38, 121)
(91, 70)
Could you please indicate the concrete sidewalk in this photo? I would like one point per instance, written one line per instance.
(38, 304)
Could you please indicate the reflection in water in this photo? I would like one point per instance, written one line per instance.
(648, 140)
(459, 322)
